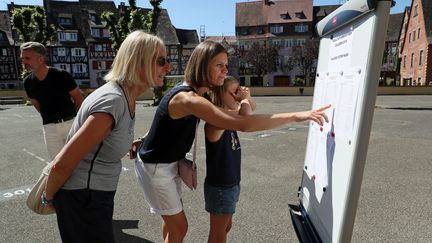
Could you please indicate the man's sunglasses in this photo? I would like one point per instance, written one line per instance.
(162, 61)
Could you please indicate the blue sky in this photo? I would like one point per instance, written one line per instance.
(218, 16)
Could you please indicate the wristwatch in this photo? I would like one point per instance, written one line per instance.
(46, 202)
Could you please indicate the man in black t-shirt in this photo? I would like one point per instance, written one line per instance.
(54, 94)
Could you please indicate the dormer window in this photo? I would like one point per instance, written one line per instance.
(300, 15)
(284, 15)
(244, 31)
(260, 30)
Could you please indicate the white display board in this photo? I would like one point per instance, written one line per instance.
(347, 76)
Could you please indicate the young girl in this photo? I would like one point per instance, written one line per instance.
(223, 157)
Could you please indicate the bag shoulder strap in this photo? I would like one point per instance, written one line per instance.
(195, 144)
(92, 163)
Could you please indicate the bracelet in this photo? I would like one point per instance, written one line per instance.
(46, 202)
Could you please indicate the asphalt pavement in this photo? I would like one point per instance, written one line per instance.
(394, 203)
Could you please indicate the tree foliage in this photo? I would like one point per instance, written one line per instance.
(303, 57)
(31, 25)
(261, 59)
(130, 20)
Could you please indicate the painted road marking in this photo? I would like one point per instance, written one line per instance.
(264, 135)
(34, 155)
(19, 116)
(14, 193)
(22, 191)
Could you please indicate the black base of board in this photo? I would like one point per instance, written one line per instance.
(303, 228)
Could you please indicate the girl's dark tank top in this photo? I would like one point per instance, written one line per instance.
(168, 139)
(223, 159)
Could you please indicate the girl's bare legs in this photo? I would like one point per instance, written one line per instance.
(174, 227)
(220, 225)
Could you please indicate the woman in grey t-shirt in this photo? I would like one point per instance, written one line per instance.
(83, 180)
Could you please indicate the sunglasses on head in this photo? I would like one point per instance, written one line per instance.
(162, 61)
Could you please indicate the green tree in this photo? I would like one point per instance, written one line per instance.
(132, 19)
(31, 25)
(303, 57)
(261, 59)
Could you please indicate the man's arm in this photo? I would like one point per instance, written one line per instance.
(35, 104)
(77, 97)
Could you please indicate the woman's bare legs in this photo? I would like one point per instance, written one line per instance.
(174, 227)
(220, 225)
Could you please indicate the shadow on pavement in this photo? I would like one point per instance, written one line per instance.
(120, 236)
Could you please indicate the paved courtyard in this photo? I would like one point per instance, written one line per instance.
(394, 204)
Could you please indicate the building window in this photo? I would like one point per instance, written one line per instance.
(288, 43)
(67, 36)
(415, 10)
(421, 57)
(61, 51)
(101, 65)
(418, 33)
(79, 68)
(244, 31)
(412, 59)
(98, 47)
(260, 30)
(4, 69)
(105, 33)
(285, 15)
(65, 21)
(4, 52)
(78, 52)
(404, 61)
(301, 28)
(275, 43)
(414, 35)
(300, 15)
(93, 17)
(2, 36)
(62, 66)
(393, 48)
(95, 32)
(276, 29)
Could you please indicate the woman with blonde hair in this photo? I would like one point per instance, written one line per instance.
(85, 173)
(173, 130)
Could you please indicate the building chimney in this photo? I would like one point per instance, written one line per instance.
(268, 2)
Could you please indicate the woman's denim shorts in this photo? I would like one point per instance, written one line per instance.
(221, 200)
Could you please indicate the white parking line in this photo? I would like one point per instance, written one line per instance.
(17, 115)
(34, 155)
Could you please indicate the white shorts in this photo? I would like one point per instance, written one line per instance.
(162, 186)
